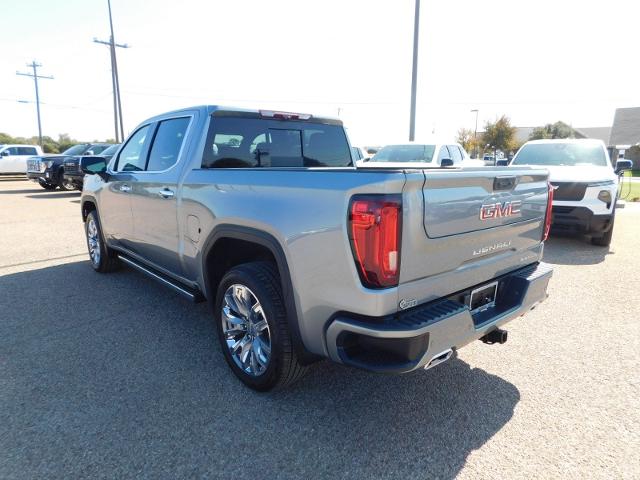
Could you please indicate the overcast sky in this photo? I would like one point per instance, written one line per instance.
(536, 61)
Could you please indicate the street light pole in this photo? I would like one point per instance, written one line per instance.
(475, 133)
(414, 73)
(35, 77)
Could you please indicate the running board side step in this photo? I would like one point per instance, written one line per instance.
(194, 295)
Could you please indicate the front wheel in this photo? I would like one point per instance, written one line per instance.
(66, 185)
(252, 327)
(604, 240)
(102, 258)
(48, 186)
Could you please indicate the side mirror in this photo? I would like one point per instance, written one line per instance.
(5, 153)
(622, 165)
(502, 162)
(89, 152)
(446, 162)
(93, 165)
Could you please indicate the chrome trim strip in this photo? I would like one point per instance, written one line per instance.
(157, 277)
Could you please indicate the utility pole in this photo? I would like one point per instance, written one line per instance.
(34, 65)
(414, 74)
(115, 81)
(475, 133)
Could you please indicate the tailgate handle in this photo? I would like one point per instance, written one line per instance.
(505, 182)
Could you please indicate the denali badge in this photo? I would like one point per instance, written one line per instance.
(408, 302)
(491, 248)
(497, 210)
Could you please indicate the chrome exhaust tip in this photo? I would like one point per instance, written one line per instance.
(439, 358)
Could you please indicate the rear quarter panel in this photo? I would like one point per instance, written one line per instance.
(306, 212)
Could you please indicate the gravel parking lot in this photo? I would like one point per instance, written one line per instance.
(114, 376)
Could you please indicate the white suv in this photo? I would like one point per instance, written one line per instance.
(13, 158)
(586, 183)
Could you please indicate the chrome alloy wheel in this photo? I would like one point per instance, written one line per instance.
(93, 241)
(246, 330)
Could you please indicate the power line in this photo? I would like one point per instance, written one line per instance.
(34, 65)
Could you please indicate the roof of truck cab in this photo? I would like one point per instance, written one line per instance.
(568, 140)
(210, 109)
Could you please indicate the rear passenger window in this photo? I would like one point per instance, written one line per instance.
(443, 153)
(235, 142)
(27, 151)
(167, 143)
(96, 149)
(456, 156)
(131, 158)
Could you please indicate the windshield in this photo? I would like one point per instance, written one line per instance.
(76, 149)
(110, 150)
(405, 153)
(561, 154)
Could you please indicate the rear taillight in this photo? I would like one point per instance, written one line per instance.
(547, 217)
(375, 225)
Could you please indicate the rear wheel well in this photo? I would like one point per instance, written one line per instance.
(226, 253)
(87, 207)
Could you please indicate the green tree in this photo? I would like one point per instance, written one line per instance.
(552, 130)
(500, 135)
(466, 138)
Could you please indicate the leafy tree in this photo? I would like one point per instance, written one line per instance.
(49, 145)
(500, 135)
(552, 130)
(466, 138)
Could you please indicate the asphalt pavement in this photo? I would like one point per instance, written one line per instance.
(114, 376)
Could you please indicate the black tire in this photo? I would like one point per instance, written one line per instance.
(263, 281)
(66, 185)
(106, 261)
(604, 240)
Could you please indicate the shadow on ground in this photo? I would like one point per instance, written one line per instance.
(573, 250)
(113, 375)
(15, 178)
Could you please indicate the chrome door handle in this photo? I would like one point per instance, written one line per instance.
(166, 193)
(125, 188)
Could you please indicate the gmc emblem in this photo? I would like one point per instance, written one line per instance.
(499, 210)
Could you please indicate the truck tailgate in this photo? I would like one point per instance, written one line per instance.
(486, 220)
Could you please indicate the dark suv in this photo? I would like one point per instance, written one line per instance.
(48, 170)
(72, 172)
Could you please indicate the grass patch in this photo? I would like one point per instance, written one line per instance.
(630, 191)
(632, 173)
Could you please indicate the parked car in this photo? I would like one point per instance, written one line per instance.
(430, 153)
(489, 160)
(301, 256)
(13, 158)
(48, 171)
(72, 172)
(586, 184)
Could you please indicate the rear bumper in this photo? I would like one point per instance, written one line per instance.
(411, 339)
(580, 219)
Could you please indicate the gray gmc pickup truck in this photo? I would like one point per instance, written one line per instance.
(302, 256)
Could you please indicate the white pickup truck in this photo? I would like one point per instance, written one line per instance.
(13, 158)
(586, 184)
